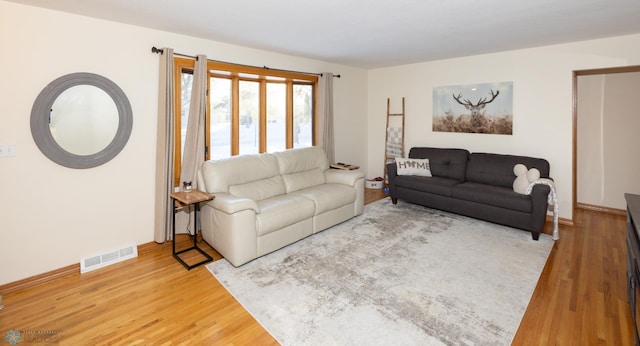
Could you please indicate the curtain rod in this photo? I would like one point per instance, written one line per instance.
(160, 51)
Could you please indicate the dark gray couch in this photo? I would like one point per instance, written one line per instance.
(479, 185)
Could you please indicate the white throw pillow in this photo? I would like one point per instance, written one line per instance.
(418, 167)
(524, 177)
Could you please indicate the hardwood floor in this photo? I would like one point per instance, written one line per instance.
(580, 298)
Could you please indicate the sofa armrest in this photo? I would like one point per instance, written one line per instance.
(539, 199)
(392, 173)
(339, 176)
(231, 204)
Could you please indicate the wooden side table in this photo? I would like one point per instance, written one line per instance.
(186, 199)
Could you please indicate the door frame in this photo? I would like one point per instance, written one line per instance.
(576, 74)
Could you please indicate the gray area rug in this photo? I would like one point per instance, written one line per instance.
(396, 275)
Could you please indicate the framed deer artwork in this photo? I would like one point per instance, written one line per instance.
(474, 108)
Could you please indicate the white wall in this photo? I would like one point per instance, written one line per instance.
(608, 121)
(52, 216)
(590, 153)
(542, 103)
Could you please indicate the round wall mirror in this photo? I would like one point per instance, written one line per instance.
(81, 120)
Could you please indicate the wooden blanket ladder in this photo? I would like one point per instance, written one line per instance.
(394, 137)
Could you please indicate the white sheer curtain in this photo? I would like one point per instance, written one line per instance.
(193, 152)
(164, 149)
(325, 115)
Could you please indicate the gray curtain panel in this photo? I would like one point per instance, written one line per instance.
(193, 151)
(165, 149)
(325, 115)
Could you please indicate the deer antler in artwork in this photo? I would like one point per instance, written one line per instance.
(475, 109)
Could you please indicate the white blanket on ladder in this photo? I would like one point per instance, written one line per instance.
(552, 200)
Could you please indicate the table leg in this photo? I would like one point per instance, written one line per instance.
(207, 257)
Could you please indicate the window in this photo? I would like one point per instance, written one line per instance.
(250, 110)
(276, 116)
(302, 115)
(219, 118)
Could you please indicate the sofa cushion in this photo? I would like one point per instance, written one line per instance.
(444, 162)
(302, 180)
(259, 189)
(497, 169)
(436, 185)
(282, 211)
(329, 196)
(492, 195)
(219, 175)
(302, 168)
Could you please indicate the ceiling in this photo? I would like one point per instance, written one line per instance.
(372, 34)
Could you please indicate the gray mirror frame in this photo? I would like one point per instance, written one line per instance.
(40, 121)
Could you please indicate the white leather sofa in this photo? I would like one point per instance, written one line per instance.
(266, 201)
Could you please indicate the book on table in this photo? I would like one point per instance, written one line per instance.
(344, 166)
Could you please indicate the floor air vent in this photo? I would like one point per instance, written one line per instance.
(88, 264)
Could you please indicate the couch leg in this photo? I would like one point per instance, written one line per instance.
(394, 200)
(535, 235)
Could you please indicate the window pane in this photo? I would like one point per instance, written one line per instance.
(249, 115)
(220, 127)
(302, 115)
(186, 84)
(276, 117)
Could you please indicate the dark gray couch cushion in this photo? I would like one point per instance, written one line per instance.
(497, 169)
(444, 162)
(436, 185)
(492, 195)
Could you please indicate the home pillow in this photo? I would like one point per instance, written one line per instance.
(523, 178)
(418, 167)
